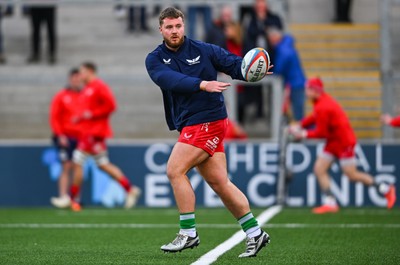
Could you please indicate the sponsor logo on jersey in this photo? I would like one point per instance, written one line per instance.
(193, 61)
(89, 91)
(67, 99)
(187, 136)
(167, 61)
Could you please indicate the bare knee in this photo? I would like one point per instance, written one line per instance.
(219, 185)
(174, 172)
(103, 167)
(351, 173)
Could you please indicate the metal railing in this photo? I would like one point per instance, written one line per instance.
(273, 83)
(389, 77)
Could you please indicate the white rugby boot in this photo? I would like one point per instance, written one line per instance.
(61, 202)
(132, 197)
(181, 242)
(255, 244)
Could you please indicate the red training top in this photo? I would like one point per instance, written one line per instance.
(98, 99)
(395, 122)
(331, 122)
(234, 131)
(63, 108)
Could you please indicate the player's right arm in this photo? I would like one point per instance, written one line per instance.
(387, 119)
(395, 122)
(55, 119)
(168, 79)
(56, 115)
(308, 121)
(321, 129)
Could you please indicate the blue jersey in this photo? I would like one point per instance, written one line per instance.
(179, 75)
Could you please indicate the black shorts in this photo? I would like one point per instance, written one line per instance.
(65, 153)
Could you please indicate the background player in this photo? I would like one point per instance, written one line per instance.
(185, 71)
(332, 123)
(97, 104)
(65, 132)
(387, 119)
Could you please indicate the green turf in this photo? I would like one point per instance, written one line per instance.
(298, 237)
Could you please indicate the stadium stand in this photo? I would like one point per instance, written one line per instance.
(350, 67)
(346, 56)
(87, 32)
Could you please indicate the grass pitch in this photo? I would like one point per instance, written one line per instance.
(114, 236)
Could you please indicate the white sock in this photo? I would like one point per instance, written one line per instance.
(190, 232)
(329, 200)
(253, 232)
(383, 188)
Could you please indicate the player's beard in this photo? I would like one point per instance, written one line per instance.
(175, 44)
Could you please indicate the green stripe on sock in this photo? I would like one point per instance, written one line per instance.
(188, 223)
(249, 224)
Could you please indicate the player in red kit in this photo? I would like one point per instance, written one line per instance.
(65, 133)
(387, 119)
(96, 107)
(331, 122)
(234, 131)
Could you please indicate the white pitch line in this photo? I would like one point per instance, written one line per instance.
(219, 226)
(238, 237)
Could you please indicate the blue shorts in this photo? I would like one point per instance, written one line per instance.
(65, 153)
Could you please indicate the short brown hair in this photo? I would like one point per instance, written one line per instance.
(73, 71)
(170, 12)
(90, 65)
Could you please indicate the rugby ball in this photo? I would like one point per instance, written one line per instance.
(255, 64)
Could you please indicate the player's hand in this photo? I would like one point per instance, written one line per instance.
(214, 86)
(63, 140)
(75, 119)
(297, 132)
(268, 72)
(386, 119)
(86, 115)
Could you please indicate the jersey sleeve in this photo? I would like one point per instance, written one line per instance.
(107, 103)
(321, 125)
(308, 121)
(395, 122)
(168, 79)
(226, 62)
(55, 115)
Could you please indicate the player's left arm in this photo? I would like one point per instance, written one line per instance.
(227, 62)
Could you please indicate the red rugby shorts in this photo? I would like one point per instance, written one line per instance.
(208, 136)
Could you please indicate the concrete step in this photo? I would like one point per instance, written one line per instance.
(350, 75)
(334, 28)
(343, 94)
(301, 36)
(353, 55)
(337, 45)
(358, 85)
(332, 65)
(369, 134)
